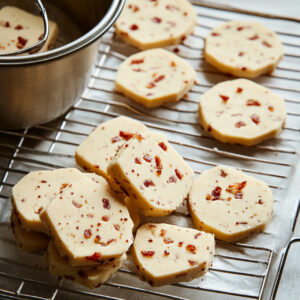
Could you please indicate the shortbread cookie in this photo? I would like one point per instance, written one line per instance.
(20, 29)
(150, 24)
(243, 49)
(152, 173)
(28, 241)
(154, 77)
(241, 111)
(230, 204)
(35, 190)
(88, 223)
(167, 254)
(98, 149)
(89, 276)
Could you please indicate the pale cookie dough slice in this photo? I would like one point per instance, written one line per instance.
(230, 204)
(167, 254)
(153, 174)
(35, 190)
(99, 148)
(28, 241)
(20, 29)
(241, 112)
(159, 23)
(88, 223)
(243, 49)
(89, 276)
(154, 77)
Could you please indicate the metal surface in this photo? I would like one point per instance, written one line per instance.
(37, 88)
(37, 46)
(245, 270)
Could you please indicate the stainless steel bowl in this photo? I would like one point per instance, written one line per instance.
(37, 88)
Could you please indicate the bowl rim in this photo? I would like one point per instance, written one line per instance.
(91, 36)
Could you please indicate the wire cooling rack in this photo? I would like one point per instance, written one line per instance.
(241, 270)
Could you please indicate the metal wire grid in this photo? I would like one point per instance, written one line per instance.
(52, 146)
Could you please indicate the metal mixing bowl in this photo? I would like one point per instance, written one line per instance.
(37, 88)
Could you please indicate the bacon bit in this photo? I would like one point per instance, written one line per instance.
(243, 68)
(223, 173)
(126, 135)
(162, 232)
(209, 128)
(192, 263)
(110, 241)
(183, 38)
(178, 174)
(239, 124)
(180, 244)
(6, 24)
(159, 78)
(39, 210)
(215, 34)
(197, 235)
(236, 189)
(43, 181)
(137, 161)
(139, 137)
(106, 203)
(271, 108)
(148, 253)
(241, 53)
(239, 90)
(240, 28)
(163, 146)
(260, 201)
(265, 43)
(134, 27)
(134, 8)
(117, 227)
(168, 241)
(147, 158)
(21, 42)
(166, 253)
(255, 118)
(78, 205)
(105, 218)
(173, 65)
(185, 13)
(150, 85)
(19, 27)
(95, 257)
(158, 165)
(156, 20)
(176, 50)
(254, 37)
(252, 102)
(191, 248)
(115, 139)
(172, 179)
(224, 98)
(208, 197)
(137, 61)
(150, 240)
(87, 233)
(64, 185)
(148, 183)
(241, 223)
(216, 193)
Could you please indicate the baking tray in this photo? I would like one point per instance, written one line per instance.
(250, 269)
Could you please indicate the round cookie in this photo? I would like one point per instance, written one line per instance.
(242, 112)
(154, 77)
(243, 49)
(167, 254)
(157, 23)
(230, 204)
(36, 190)
(88, 223)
